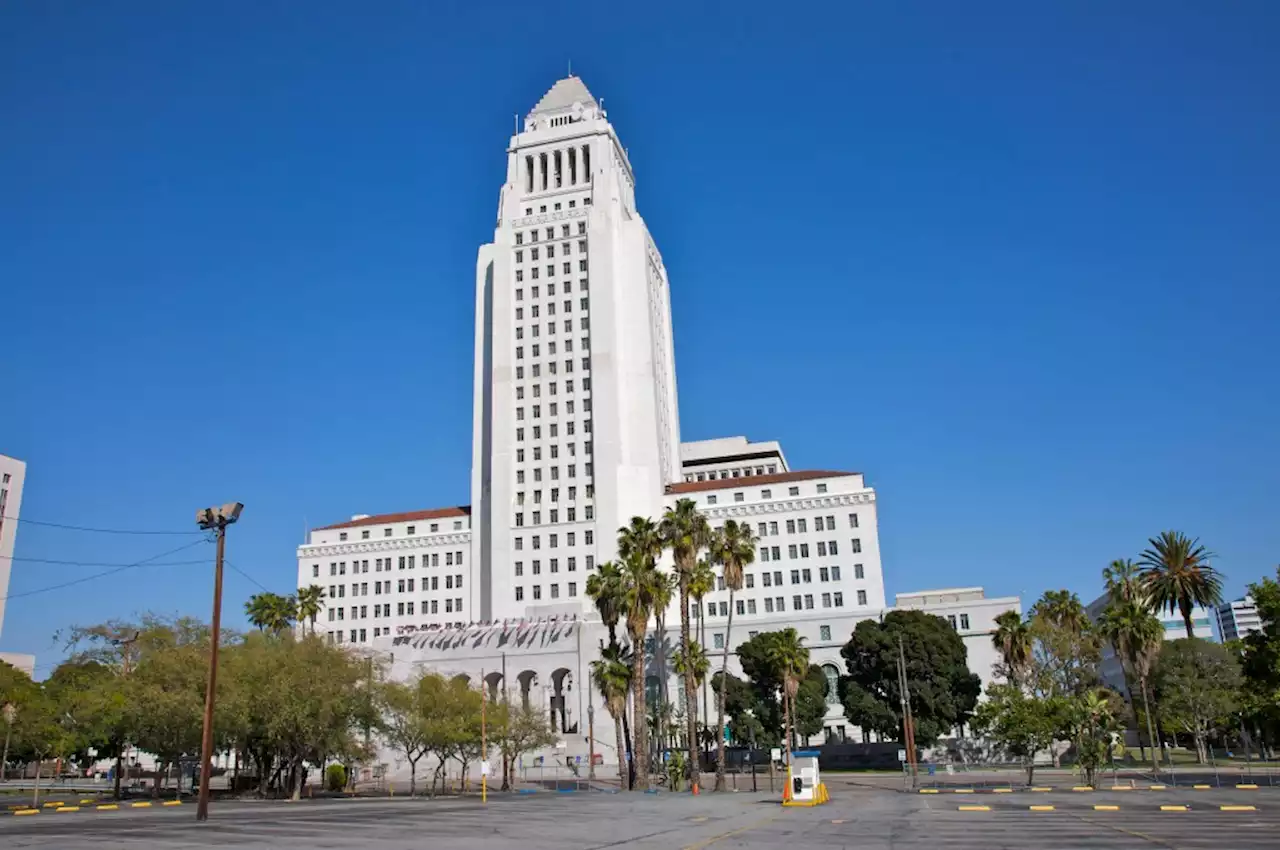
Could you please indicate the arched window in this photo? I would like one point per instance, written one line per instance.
(833, 683)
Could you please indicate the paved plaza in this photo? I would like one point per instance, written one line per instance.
(866, 818)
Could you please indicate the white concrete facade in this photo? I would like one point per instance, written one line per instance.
(971, 613)
(1237, 619)
(13, 474)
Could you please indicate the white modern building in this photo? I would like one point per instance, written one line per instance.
(970, 613)
(575, 431)
(1237, 619)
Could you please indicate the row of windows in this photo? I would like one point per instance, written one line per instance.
(801, 525)
(801, 550)
(554, 428)
(380, 587)
(553, 540)
(566, 268)
(571, 591)
(551, 231)
(582, 226)
(552, 388)
(410, 530)
(964, 621)
(536, 369)
(571, 471)
(536, 291)
(553, 409)
(554, 169)
(535, 329)
(339, 568)
(568, 364)
(553, 515)
(361, 612)
(764, 494)
(360, 635)
(776, 605)
(715, 475)
(550, 249)
(554, 565)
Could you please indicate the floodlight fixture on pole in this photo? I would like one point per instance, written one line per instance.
(215, 520)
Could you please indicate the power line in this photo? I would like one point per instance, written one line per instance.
(96, 530)
(246, 575)
(98, 563)
(143, 562)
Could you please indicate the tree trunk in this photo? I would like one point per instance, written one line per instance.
(35, 800)
(1185, 605)
(660, 730)
(641, 754)
(621, 746)
(724, 681)
(631, 761)
(1031, 770)
(786, 737)
(690, 687)
(1151, 734)
(706, 680)
(119, 762)
(295, 779)
(413, 777)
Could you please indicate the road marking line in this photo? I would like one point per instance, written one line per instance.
(1238, 808)
(108, 807)
(841, 820)
(68, 809)
(928, 790)
(179, 803)
(1157, 787)
(26, 812)
(975, 808)
(1042, 789)
(695, 820)
(1082, 788)
(964, 790)
(140, 805)
(1174, 808)
(1105, 808)
(1121, 787)
(722, 836)
(1041, 808)
(1001, 790)
(53, 805)
(1248, 785)
(86, 802)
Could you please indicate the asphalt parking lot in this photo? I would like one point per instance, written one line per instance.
(855, 817)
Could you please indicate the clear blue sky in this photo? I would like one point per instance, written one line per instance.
(1018, 264)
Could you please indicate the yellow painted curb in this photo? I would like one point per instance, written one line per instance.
(1238, 808)
(975, 808)
(1202, 787)
(179, 803)
(1041, 789)
(1157, 787)
(1041, 808)
(140, 805)
(68, 809)
(26, 812)
(86, 802)
(53, 805)
(964, 790)
(1082, 788)
(1248, 785)
(838, 821)
(1121, 787)
(1001, 790)
(928, 790)
(108, 807)
(1173, 808)
(1105, 808)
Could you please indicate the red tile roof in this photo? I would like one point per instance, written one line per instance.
(753, 480)
(407, 516)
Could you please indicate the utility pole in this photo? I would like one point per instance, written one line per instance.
(484, 745)
(126, 663)
(591, 729)
(216, 520)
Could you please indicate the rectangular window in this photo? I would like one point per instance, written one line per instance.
(537, 591)
(856, 545)
(857, 571)
(793, 551)
(718, 639)
(768, 605)
(791, 526)
(767, 579)
(964, 621)
(822, 549)
(822, 488)
(740, 607)
(808, 600)
(804, 550)
(795, 576)
(824, 632)
(519, 594)
(853, 520)
(823, 574)
(826, 600)
(835, 573)
(796, 602)
(764, 553)
(831, 548)
(738, 497)
(724, 609)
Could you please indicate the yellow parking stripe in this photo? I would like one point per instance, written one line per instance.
(1001, 790)
(53, 805)
(1041, 808)
(1157, 787)
(1174, 808)
(1082, 788)
(179, 803)
(964, 790)
(1248, 785)
(1121, 787)
(140, 805)
(1104, 808)
(1238, 808)
(1042, 789)
(86, 802)
(108, 807)
(26, 812)
(1202, 787)
(928, 790)
(975, 808)
(68, 809)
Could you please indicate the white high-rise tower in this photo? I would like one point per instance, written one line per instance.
(576, 427)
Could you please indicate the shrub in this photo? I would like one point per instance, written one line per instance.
(335, 777)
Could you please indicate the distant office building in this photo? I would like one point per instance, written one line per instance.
(12, 473)
(1111, 669)
(1237, 619)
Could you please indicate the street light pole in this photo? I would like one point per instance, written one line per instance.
(216, 520)
(591, 729)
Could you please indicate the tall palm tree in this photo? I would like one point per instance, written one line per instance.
(664, 590)
(790, 662)
(612, 676)
(695, 663)
(733, 548)
(701, 583)
(604, 588)
(1063, 609)
(1177, 576)
(1123, 581)
(1012, 639)
(310, 601)
(271, 612)
(639, 546)
(1136, 635)
(686, 533)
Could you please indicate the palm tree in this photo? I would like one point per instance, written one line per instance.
(1123, 581)
(733, 548)
(1062, 609)
(639, 546)
(686, 533)
(1176, 575)
(1136, 635)
(697, 663)
(790, 662)
(1012, 639)
(612, 676)
(663, 591)
(271, 611)
(604, 588)
(701, 583)
(310, 601)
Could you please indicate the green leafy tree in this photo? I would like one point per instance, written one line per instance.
(1136, 635)
(605, 590)
(942, 691)
(686, 533)
(733, 549)
(1177, 576)
(1092, 721)
(405, 726)
(520, 729)
(1020, 724)
(701, 583)
(1066, 649)
(1198, 684)
(810, 702)
(1261, 661)
(17, 692)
